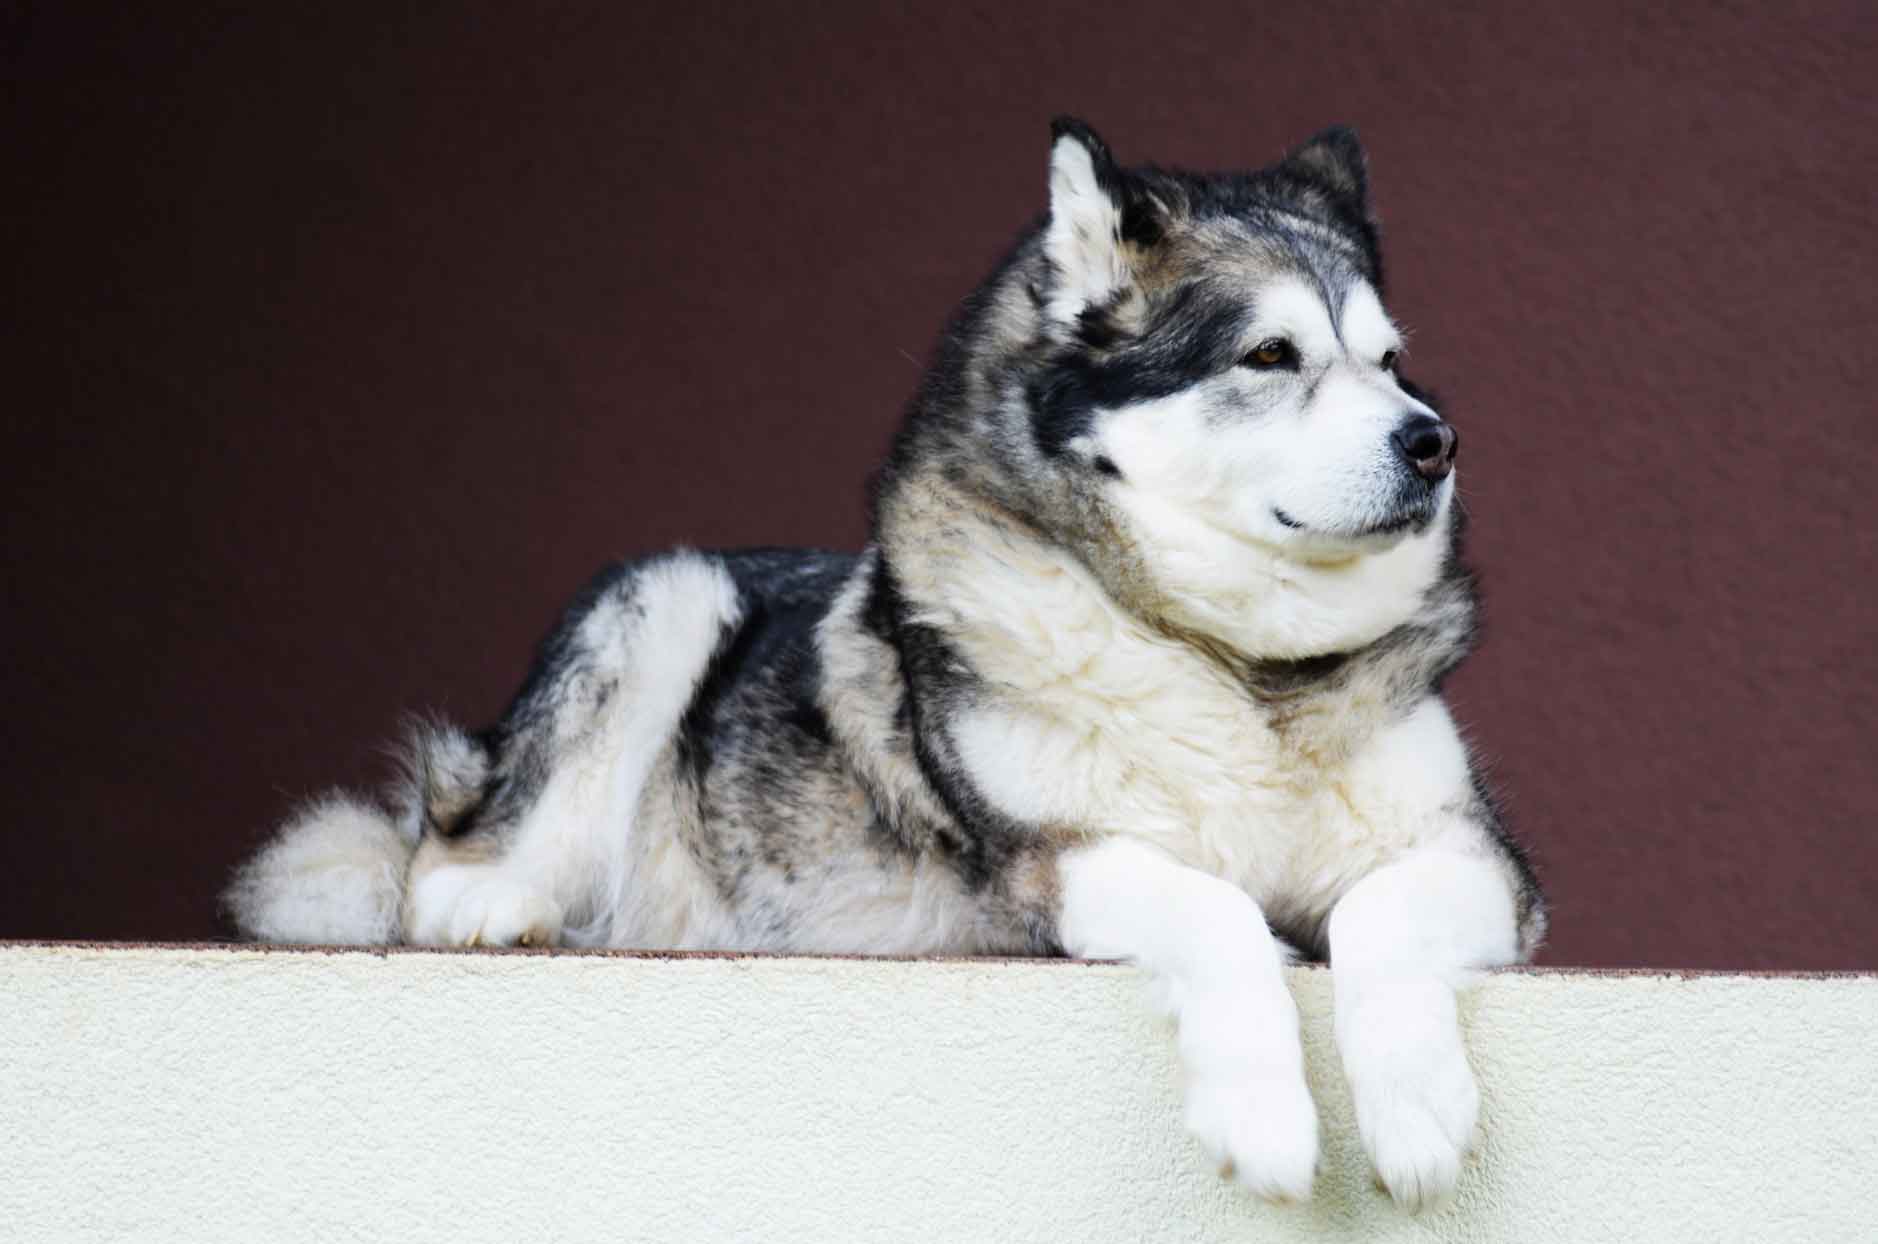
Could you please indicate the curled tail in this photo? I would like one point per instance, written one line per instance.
(334, 874)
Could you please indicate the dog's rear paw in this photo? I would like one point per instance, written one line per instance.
(1261, 1129)
(462, 906)
(500, 912)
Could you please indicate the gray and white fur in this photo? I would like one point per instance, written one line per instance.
(1142, 660)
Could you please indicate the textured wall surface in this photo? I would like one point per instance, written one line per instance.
(210, 1095)
(338, 349)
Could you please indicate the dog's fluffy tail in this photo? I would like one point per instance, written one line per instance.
(334, 874)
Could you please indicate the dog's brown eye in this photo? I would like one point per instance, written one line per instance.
(1389, 358)
(1272, 352)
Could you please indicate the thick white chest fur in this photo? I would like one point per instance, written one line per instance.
(1093, 719)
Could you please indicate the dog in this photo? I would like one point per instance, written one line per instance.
(1142, 661)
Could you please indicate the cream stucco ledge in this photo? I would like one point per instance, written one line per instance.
(208, 1093)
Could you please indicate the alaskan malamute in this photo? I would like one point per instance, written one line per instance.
(1142, 661)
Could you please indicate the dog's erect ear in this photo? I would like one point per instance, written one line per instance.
(1333, 162)
(1095, 214)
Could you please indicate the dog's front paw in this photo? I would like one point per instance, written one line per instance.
(1247, 1102)
(468, 906)
(1416, 1101)
(1259, 1128)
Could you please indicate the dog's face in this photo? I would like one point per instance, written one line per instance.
(1190, 383)
(1301, 436)
(1225, 358)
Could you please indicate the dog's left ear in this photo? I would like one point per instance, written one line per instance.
(1097, 214)
(1333, 163)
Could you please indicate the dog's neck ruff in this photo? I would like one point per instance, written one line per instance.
(1007, 592)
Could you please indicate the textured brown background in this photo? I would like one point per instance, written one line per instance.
(338, 351)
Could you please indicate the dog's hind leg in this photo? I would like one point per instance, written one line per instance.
(540, 853)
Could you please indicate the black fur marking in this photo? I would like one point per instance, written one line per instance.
(1333, 282)
(880, 611)
(802, 682)
(1530, 897)
(1306, 936)
(1191, 334)
(731, 662)
(1273, 679)
(1097, 328)
(784, 594)
(983, 840)
(1141, 222)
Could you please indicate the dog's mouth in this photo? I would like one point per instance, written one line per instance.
(1410, 515)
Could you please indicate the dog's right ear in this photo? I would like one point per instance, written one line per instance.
(1097, 214)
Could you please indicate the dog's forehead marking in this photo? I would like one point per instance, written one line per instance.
(1366, 327)
(1293, 307)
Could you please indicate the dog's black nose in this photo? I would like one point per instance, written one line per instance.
(1429, 445)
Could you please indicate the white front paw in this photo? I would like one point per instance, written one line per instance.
(1416, 1101)
(1259, 1128)
(1247, 1102)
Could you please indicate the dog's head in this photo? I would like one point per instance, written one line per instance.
(1225, 351)
(1189, 380)
(1197, 384)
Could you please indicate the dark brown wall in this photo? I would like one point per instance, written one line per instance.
(339, 351)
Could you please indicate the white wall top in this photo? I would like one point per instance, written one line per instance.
(210, 1094)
